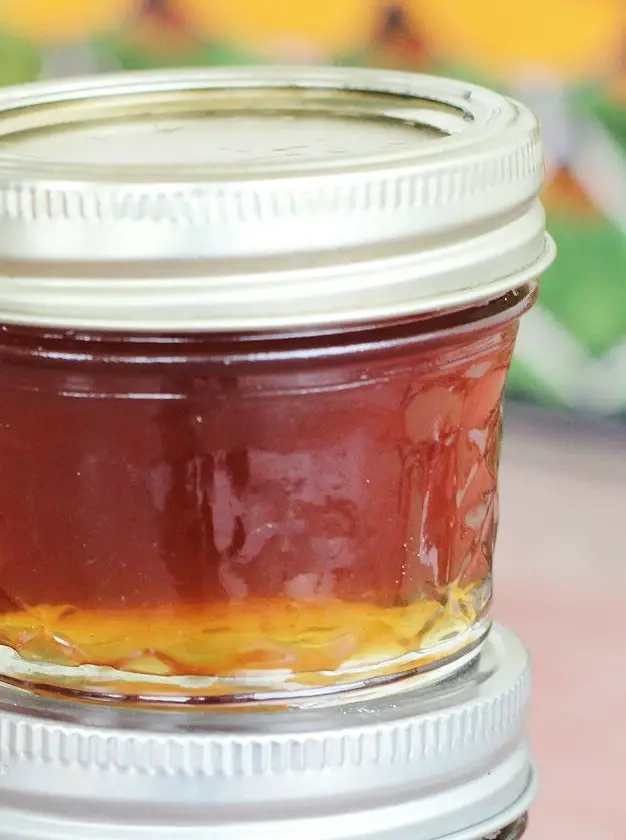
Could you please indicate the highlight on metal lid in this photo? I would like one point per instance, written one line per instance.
(248, 199)
(450, 760)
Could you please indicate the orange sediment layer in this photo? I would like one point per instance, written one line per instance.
(227, 641)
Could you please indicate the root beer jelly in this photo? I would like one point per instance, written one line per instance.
(256, 326)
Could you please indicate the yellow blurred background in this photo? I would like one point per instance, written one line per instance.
(574, 39)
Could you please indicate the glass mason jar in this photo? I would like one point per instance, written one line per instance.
(255, 330)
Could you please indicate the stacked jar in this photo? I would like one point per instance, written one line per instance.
(255, 330)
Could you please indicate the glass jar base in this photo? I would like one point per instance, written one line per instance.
(277, 688)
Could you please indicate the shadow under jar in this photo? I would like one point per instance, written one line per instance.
(250, 396)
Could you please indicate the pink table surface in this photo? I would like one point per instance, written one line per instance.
(560, 583)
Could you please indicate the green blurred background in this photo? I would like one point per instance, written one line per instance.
(566, 58)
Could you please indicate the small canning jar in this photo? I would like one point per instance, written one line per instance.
(256, 326)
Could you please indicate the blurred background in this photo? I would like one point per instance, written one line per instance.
(560, 580)
(560, 575)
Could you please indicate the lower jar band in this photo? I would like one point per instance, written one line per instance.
(450, 760)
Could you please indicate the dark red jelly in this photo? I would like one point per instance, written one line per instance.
(210, 517)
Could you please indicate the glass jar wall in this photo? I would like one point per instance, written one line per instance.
(209, 518)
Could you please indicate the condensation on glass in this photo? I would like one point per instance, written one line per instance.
(291, 497)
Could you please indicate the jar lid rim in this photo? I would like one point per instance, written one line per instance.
(251, 173)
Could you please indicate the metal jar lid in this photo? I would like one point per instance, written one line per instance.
(249, 199)
(448, 761)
